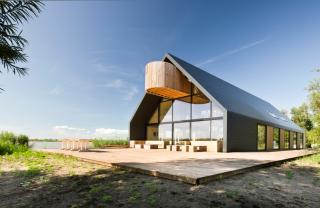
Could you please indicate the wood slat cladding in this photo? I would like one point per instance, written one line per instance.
(269, 137)
(165, 80)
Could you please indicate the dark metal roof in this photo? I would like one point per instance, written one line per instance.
(232, 98)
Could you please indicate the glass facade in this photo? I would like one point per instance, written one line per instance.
(276, 138)
(192, 117)
(262, 137)
(200, 130)
(286, 139)
(200, 110)
(181, 132)
(294, 145)
(300, 141)
(165, 132)
(181, 110)
(217, 129)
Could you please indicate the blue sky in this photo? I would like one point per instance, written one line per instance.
(87, 59)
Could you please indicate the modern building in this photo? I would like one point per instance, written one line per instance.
(183, 102)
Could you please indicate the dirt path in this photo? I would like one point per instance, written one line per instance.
(66, 182)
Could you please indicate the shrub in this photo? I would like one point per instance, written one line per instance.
(7, 148)
(10, 143)
(6, 136)
(22, 140)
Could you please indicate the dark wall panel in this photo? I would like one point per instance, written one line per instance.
(141, 117)
(242, 133)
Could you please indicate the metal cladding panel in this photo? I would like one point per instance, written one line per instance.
(234, 99)
(242, 133)
(142, 115)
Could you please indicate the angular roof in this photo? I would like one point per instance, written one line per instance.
(232, 98)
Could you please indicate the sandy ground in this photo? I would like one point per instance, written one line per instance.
(48, 180)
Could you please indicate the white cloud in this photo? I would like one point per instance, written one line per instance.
(55, 91)
(111, 133)
(67, 131)
(111, 69)
(231, 52)
(117, 83)
(64, 131)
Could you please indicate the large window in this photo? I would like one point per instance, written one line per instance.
(200, 130)
(165, 132)
(262, 137)
(276, 138)
(200, 107)
(181, 110)
(300, 141)
(217, 129)
(294, 140)
(191, 117)
(286, 139)
(181, 132)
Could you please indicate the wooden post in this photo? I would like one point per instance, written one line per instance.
(282, 139)
(269, 137)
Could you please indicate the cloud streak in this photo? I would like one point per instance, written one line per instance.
(75, 132)
(231, 52)
(127, 90)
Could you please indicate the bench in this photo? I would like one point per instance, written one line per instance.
(150, 146)
(185, 148)
(176, 147)
(197, 148)
(138, 146)
(75, 144)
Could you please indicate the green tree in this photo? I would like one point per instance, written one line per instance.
(301, 116)
(13, 14)
(314, 99)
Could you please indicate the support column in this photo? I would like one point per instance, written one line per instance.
(282, 139)
(269, 137)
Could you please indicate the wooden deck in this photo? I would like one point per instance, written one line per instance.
(193, 168)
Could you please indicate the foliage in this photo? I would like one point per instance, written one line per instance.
(7, 148)
(10, 143)
(23, 140)
(13, 14)
(307, 115)
(9, 137)
(101, 143)
(301, 116)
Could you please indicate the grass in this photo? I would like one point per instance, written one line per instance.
(313, 159)
(135, 195)
(101, 143)
(289, 174)
(106, 198)
(152, 187)
(62, 176)
(152, 200)
(231, 194)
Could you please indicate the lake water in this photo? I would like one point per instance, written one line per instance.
(44, 145)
